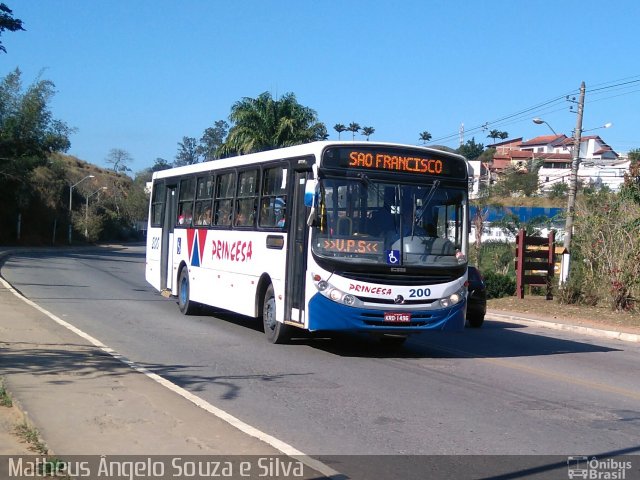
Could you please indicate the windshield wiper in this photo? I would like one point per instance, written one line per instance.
(428, 197)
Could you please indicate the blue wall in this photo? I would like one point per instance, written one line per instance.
(524, 214)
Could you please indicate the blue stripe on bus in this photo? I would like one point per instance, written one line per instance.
(325, 314)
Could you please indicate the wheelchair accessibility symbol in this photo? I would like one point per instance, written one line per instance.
(393, 257)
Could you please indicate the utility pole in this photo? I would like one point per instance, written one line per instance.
(573, 178)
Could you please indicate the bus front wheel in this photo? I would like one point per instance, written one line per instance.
(276, 332)
(187, 307)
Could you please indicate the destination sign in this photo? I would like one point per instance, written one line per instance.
(400, 163)
(395, 160)
(350, 245)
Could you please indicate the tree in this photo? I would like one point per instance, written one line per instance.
(119, 159)
(188, 152)
(497, 134)
(160, 164)
(338, 127)
(558, 190)
(471, 150)
(28, 135)
(368, 131)
(263, 123)
(212, 139)
(353, 128)
(425, 137)
(321, 132)
(7, 22)
(494, 134)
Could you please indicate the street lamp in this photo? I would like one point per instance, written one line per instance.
(70, 202)
(86, 210)
(539, 121)
(606, 125)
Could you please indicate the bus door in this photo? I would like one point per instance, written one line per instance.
(297, 251)
(166, 249)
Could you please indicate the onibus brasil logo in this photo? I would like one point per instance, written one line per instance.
(581, 466)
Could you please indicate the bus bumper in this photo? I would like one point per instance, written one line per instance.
(325, 314)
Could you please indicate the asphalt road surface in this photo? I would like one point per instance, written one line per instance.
(504, 389)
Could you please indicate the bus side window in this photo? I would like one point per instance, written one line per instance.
(204, 192)
(185, 202)
(225, 189)
(157, 203)
(247, 197)
(273, 204)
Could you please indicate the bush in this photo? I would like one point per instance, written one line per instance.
(499, 285)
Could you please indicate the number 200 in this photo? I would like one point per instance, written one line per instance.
(419, 292)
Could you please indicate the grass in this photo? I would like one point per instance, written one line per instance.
(5, 398)
(31, 436)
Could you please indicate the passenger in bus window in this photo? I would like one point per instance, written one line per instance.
(205, 217)
(241, 219)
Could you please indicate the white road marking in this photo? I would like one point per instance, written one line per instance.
(283, 447)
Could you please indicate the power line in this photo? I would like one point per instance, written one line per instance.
(545, 106)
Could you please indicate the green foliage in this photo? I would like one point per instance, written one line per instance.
(368, 131)
(497, 257)
(425, 137)
(558, 190)
(212, 139)
(353, 128)
(471, 150)
(499, 285)
(28, 133)
(188, 152)
(495, 134)
(339, 127)
(7, 22)
(606, 248)
(28, 136)
(263, 123)
(519, 181)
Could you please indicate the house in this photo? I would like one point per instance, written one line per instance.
(599, 164)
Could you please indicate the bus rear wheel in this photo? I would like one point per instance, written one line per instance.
(276, 332)
(187, 307)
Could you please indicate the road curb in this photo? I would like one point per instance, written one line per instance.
(594, 332)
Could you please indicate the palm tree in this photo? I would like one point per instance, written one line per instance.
(353, 128)
(263, 123)
(425, 137)
(338, 127)
(494, 134)
(503, 135)
(368, 131)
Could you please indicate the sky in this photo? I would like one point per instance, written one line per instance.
(140, 75)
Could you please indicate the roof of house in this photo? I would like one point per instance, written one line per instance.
(545, 140)
(506, 142)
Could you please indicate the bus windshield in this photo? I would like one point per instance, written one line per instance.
(389, 224)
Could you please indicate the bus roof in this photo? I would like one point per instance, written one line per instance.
(315, 148)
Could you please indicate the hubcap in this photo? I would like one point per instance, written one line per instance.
(270, 314)
(183, 290)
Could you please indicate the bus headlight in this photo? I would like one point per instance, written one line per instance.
(333, 293)
(453, 299)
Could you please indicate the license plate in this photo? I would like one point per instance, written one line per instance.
(397, 317)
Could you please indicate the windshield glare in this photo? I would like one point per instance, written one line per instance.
(365, 221)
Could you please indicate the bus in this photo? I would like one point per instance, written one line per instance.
(326, 236)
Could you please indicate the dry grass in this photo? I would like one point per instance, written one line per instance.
(539, 308)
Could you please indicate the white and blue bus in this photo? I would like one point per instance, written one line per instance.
(326, 236)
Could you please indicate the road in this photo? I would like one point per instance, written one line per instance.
(504, 389)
